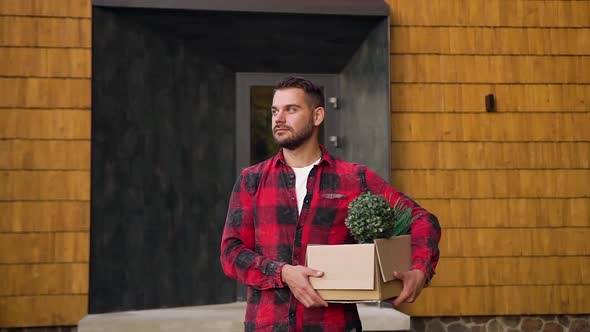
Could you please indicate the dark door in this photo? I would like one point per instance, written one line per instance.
(162, 170)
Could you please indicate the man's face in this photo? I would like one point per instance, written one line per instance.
(292, 118)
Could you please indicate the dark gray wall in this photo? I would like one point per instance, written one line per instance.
(263, 42)
(162, 169)
(365, 109)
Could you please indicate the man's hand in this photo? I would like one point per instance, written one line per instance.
(297, 278)
(413, 282)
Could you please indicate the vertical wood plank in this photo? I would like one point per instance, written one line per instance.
(61, 8)
(45, 32)
(45, 185)
(49, 310)
(44, 279)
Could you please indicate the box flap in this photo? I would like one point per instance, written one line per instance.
(394, 254)
(346, 266)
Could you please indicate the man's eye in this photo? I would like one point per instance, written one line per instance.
(291, 109)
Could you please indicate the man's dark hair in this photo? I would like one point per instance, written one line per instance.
(314, 93)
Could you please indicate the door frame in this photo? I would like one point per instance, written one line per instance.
(246, 80)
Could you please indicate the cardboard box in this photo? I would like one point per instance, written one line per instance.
(360, 272)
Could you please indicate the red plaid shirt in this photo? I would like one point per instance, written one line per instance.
(263, 232)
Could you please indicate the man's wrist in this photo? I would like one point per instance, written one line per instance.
(427, 276)
(280, 280)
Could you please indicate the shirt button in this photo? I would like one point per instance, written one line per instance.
(292, 198)
(292, 176)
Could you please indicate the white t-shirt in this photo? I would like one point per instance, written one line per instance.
(301, 175)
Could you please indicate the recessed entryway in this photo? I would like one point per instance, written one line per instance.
(164, 135)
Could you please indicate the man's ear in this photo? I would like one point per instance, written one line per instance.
(318, 116)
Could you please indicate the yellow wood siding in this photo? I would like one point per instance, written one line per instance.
(44, 216)
(53, 8)
(510, 188)
(487, 127)
(45, 164)
(45, 62)
(511, 212)
(44, 93)
(43, 310)
(461, 97)
(420, 68)
(507, 242)
(45, 185)
(472, 184)
(490, 13)
(44, 247)
(45, 124)
(501, 300)
(490, 155)
(52, 154)
(488, 40)
(52, 278)
(507, 271)
(57, 32)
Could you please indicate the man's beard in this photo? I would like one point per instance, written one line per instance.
(297, 139)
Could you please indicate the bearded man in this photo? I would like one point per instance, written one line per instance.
(301, 196)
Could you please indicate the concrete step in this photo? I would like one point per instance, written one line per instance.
(220, 317)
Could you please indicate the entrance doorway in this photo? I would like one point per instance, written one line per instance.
(165, 146)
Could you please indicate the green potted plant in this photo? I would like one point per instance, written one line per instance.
(371, 217)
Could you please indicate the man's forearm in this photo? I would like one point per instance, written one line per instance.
(248, 267)
(426, 235)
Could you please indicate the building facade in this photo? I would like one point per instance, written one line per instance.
(510, 187)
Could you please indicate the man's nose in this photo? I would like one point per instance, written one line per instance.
(279, 117)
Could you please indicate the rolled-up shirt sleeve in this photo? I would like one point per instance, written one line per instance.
(425, 230)
(238, 258)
